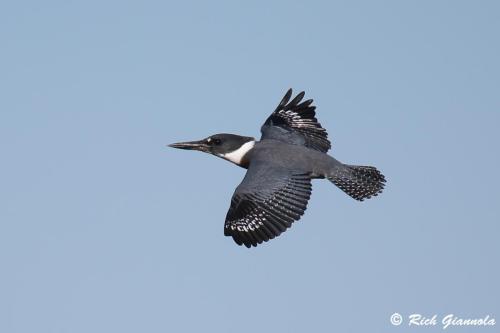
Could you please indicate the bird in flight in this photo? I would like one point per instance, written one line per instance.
(277, 186)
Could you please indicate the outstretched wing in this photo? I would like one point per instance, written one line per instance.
(266, 203)
(294, 122)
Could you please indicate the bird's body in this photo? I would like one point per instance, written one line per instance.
(274, 153)
(277, 185)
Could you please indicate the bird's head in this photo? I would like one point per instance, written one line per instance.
(230, 147)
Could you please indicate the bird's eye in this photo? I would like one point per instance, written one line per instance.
(214, 141)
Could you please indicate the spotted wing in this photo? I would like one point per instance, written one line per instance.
(295, 122)
(265, 204)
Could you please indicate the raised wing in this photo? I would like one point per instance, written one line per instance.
(266, 203)
(294, 122)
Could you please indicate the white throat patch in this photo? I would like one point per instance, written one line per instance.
(237, 155)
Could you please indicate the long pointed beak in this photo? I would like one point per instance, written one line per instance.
(191, 145)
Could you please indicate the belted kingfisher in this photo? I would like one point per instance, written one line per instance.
(277, 186)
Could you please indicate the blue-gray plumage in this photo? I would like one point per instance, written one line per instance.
(277, 185)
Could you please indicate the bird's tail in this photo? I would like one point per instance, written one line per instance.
(360, 182)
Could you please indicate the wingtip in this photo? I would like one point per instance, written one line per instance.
(296, 100)
(285, 99)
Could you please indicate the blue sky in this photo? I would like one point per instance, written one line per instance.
(103, 228)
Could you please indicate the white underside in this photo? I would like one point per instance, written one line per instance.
(237, 155)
